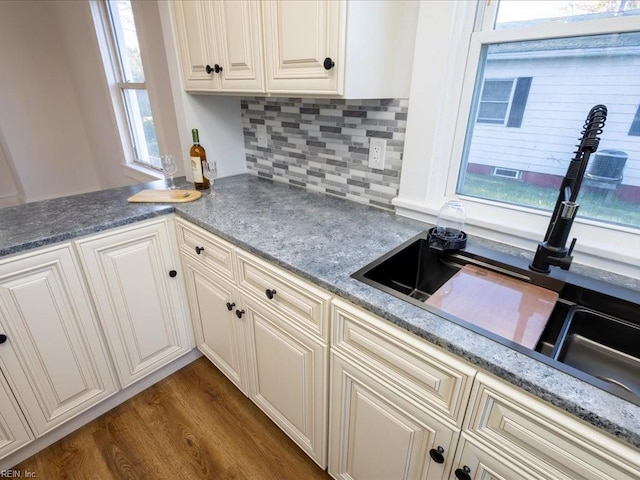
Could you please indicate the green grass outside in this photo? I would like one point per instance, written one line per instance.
(592, 200)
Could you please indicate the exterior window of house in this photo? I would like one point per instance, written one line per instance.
(635, 125)
(499, 97)
(494, 101)
(129, 81)
(542, 86)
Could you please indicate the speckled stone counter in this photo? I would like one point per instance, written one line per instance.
(323, 239)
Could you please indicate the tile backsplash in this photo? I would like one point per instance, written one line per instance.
(323, 144)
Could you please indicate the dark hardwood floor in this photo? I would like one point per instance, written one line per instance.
(193, 424)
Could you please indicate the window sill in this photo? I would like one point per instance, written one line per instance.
(611, 249)
(140, 173)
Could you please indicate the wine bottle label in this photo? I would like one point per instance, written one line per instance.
(196, 168)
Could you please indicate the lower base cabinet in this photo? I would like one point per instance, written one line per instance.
(52, 356)
(445, 419)
(14, 430)
(262, 328)
(288, 371)
(377, 432)
(133, 275)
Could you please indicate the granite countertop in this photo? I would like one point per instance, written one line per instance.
(323, 239)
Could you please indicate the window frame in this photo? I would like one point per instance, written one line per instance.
(440, 109)
(133, 167)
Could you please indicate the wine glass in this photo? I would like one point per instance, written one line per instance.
(169, 167)
(211, 172)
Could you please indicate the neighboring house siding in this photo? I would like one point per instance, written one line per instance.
(557, 105)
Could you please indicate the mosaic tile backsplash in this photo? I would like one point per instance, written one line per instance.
(323, 144)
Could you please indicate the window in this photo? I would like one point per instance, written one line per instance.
(132, 102)
(635, 125)
(499, 97)
(561, 63)
(571, 75)
(494, 101)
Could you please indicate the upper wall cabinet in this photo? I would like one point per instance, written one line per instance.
(336, 48)
(220, 45)
(304, 44)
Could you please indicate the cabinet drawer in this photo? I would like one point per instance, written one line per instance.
(433, 377)
(303, 303)
(206, 248)
(542, 438)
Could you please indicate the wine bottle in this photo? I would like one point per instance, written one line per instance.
(198, 160)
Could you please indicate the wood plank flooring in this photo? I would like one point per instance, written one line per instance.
(193, 424)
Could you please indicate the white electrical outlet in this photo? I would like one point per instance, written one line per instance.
(261, 135)
(377, 149)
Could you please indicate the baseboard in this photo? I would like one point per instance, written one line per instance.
(94, 412)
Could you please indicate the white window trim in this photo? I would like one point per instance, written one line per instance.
(131, 168)
(440, 101)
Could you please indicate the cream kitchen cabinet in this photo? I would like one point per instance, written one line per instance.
(509, 433)
(213, 300)
(133, 276)
(337, 48)
(14, 429)
(220, 45)
(397, 403)
(266, 330)
(399, 406)
(54, 358)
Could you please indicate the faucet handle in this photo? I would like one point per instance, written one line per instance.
(573, 244)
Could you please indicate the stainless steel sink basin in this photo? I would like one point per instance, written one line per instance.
(605, 347)
(593, 332)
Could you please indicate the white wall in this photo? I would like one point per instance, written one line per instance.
(8, 190)
(40, 117)
(57, 125)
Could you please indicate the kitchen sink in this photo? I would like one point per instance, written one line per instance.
(593, 331)
(605, 347)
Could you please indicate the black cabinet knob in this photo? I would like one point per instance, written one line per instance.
(463, 473)
(3, 338)
(199, 250)
(437, 454)
(239, 313)
(270, 293)
(216, 68)
(172, 273)
(230, 306)
(328, 64)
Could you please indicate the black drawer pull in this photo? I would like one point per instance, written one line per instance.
(199, 250)
(230, 306)
(270, 292)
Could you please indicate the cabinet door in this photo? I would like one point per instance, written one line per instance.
(140, 305)
(195, 37)
(54, 358)
(477, 463)
(299, 36)
(239, 45)
(288, 370)
(14, 431)
(375, 432)
(218, 331)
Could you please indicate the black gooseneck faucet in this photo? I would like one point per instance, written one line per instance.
(553, 250)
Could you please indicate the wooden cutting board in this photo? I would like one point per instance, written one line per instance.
(508, 307)
(165, 196)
